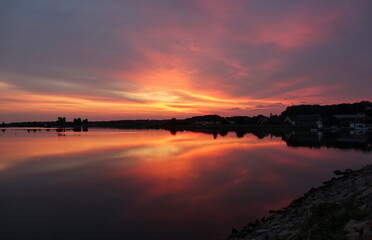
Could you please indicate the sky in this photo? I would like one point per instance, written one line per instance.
(158, 59)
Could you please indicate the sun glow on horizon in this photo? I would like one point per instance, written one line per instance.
(159, 59)
(167, 103)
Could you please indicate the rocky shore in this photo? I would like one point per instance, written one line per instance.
(339, 209)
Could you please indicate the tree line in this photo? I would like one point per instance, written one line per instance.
(77, 122)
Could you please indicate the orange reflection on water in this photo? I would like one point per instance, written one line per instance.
(186, 181)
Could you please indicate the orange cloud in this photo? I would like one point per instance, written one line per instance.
(166, 103)
(178, 60)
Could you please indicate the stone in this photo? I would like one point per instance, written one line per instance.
(367, 233)
(366, 192)
(285, 233)
(364, 206)
(286, 223)
(262, 230)
(352, 226)
(259, 238)
(277, 216)
(353, 236)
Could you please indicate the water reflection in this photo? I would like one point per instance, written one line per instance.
(112, 184)
(357, 140)
(361, 142)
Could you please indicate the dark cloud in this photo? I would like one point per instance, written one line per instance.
(274, 105)
(234, 109)
(288, 51)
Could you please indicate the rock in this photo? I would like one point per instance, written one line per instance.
(364, 206)
(355, 226)
(347, 171)
(258, 238)
(366, 192)
(351, 226)
(285, 233)
(262, 230)
(367, 233)
(277, 216)
(353, 236)
(273, 236)
(369, 206)
(287, 223)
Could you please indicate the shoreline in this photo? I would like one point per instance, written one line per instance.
(339, 209)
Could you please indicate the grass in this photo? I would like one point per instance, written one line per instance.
(328, 221)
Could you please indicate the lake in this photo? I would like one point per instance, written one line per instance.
(154, 184)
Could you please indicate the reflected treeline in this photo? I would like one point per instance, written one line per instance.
(238, 133)
(74, 129)
(58, 130)
(342, 140)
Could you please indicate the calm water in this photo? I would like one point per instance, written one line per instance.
(132, 184)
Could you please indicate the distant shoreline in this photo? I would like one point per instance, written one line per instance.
(338, 117)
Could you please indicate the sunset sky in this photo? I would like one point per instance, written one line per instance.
(157, 59)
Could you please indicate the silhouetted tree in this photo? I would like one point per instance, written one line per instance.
(223, 133)
(260, 135)
(327, 110)
(240, 134)
(85, 125)
(275, 119)
(77, 121)
(239, 120)
(77, 129)
(173, 121)
(3, 125)
(205, 118)
(215, 135)
(61, 122)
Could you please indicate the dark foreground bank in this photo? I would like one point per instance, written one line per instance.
(339, 209)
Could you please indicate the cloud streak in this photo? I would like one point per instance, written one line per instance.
(159, 59)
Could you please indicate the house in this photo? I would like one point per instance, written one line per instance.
(352, 120)
(307, 120)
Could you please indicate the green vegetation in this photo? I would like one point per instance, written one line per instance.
(328, 221)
